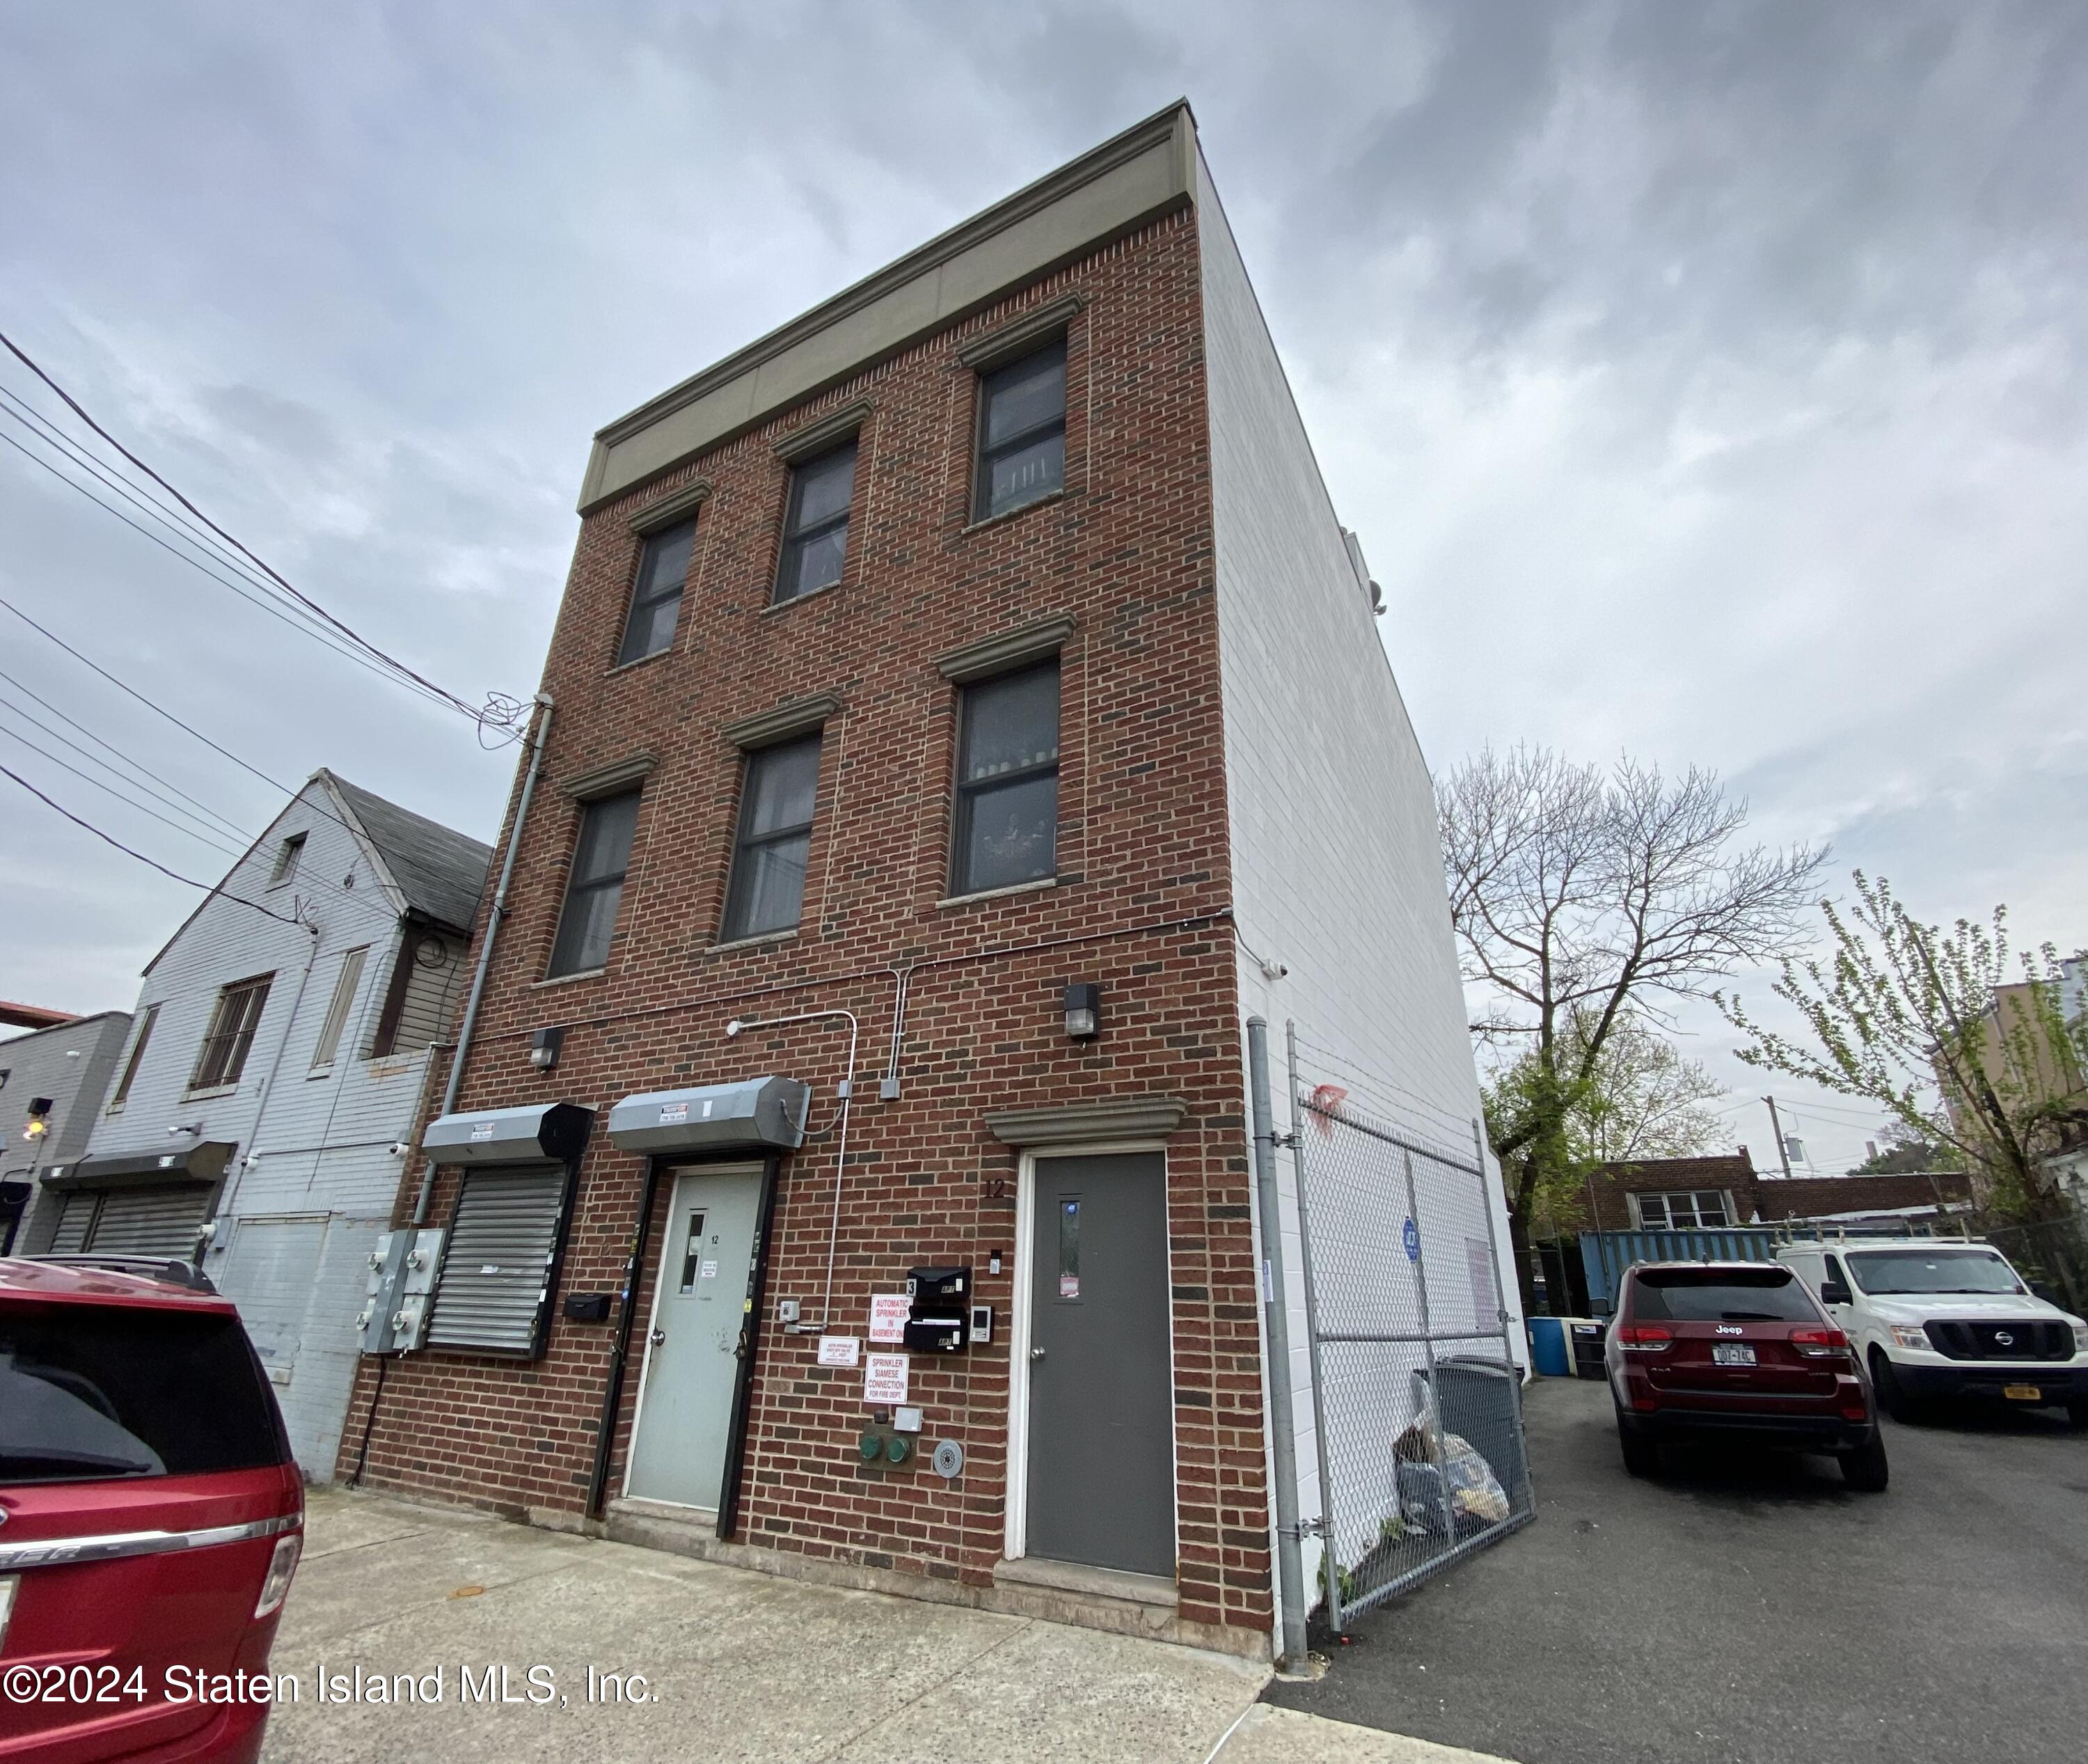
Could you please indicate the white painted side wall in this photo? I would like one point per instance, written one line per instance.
(1337, 869)
(324, 1179)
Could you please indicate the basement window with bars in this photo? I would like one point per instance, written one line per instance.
(1701, 1209)
(230, 1036)
(500, 1259)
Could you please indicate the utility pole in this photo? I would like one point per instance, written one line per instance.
(1775, 1126)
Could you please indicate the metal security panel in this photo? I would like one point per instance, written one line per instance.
(496, 1284)
(150, 1222)
(76, 1220)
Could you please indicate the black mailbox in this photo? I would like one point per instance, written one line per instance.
(938, 1313)
(587, 1307)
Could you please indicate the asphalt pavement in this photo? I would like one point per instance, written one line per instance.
(1751, 1609)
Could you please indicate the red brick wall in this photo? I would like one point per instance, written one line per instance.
(1127, 551)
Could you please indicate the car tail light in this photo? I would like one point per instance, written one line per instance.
(1820, 1344)
(1855, 1412)
(1647, 1337)
(275, 1583)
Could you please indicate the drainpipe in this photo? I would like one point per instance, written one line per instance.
(231, 1189)
(493, 922)
(1290, 1558)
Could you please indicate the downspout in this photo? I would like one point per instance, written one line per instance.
(493, 922)
(267, 1088)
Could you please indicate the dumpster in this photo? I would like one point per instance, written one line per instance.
(1588, 1348)
(1548, 1351)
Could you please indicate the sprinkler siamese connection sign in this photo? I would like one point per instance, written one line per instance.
(884, 1380)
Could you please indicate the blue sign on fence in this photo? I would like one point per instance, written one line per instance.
(1410, 1235)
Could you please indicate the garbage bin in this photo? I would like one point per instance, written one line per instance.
(1481, 1399)
(1547, 1348)
(1588, 1349)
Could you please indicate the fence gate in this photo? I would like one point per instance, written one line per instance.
(1418, 1401)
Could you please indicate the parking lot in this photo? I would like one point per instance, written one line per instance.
(1753, 1609)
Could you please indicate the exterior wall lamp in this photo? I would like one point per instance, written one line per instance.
(1083, 1011)
(544, 1049)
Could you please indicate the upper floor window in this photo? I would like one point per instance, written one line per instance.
(137, 1055)
(335, 1020)
(766, 891)
(230, 1036)
(1005, 825)
(656, 597)
(287, 854)
(817, 523)
(1700, 1209)
(1021, 431)
(594, 890)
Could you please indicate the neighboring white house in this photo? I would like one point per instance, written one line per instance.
(52, 1081)
(281, 1043)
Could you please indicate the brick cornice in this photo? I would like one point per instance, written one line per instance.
(1078, 1124)
(1006, 649)
(800, 717)
(1017, 339)
(607, 780)
(829, 431)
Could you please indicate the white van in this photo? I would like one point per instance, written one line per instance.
(1942, 1317)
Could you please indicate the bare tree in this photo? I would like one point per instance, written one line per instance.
(1585, 898)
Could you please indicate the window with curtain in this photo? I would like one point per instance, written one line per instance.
(1021, 431)
(1005, 826)
(766, 890)
(594, 887)
(656, 597)
(816, 523)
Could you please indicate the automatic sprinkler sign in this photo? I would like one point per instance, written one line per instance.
(1409, 1233)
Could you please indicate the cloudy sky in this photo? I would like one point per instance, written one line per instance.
(1704, 382)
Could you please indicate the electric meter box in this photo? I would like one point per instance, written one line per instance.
(938, 1317)
(394, 1318)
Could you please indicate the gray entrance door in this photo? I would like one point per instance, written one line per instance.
(1102, 1429)
(692, 1354)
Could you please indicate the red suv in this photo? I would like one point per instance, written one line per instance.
(1725, 1350)
(151, 1516)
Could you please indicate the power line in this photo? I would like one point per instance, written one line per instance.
(216, 844)
(207, 887)
(390, 661)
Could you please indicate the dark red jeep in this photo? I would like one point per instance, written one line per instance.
(151, 1516)
(1737, 1350)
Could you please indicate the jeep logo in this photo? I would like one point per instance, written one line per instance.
(1730, 1329)
(2002, 1339)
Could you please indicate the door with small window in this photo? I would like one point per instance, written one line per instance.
(699, 1332)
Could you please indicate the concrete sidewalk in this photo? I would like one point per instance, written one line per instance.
(734, 1664)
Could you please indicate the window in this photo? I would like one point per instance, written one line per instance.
(337, 1009)
(96, 1392)
(1767, 1295)
(593, 891)
(766, 891)
(232, 1026)
(1021, 432)
(137, 1056)
(1703, 1210)
(817, 523)
(655, 599)
(286, 860)
(1006, 824)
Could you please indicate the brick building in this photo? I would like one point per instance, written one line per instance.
(1656, 1194)
(965, 709)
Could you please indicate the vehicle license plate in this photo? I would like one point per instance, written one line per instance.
(2021, 1393)
(1732, 1354)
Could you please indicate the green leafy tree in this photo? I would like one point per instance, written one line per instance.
(1585, 898)
(1967, 1049)
(1903, 1152)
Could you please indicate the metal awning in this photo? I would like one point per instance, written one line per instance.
(544, 1131)
(202, 1162)
(755, 1112)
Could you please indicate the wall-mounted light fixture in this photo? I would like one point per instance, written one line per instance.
(1084, 1010)
(544, 1048)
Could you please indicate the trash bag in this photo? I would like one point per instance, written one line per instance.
(1476, 1498)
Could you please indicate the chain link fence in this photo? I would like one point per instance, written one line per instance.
(1418, 1409)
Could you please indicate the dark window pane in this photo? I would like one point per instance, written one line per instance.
(782, 784)
(823, 487)
(1683, 1295)
(87, 1393)
(1011, 833)
(656, 597)
(601, 854)
(767, 888)
(813, 562)
(1028, 395)
(1035, 469)
(1011, 723)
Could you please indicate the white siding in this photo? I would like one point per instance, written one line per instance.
(321, 1147)
(1337, 871)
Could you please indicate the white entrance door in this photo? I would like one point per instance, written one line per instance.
(692, 1354)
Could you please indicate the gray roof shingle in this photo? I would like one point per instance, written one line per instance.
(441, 872)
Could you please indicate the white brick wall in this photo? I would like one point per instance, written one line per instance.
(1337, 871)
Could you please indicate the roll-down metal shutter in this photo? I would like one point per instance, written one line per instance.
(75, 1217)
(149, 1222)
(496, 1279)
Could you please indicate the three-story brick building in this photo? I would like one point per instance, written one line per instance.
(967, 707)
